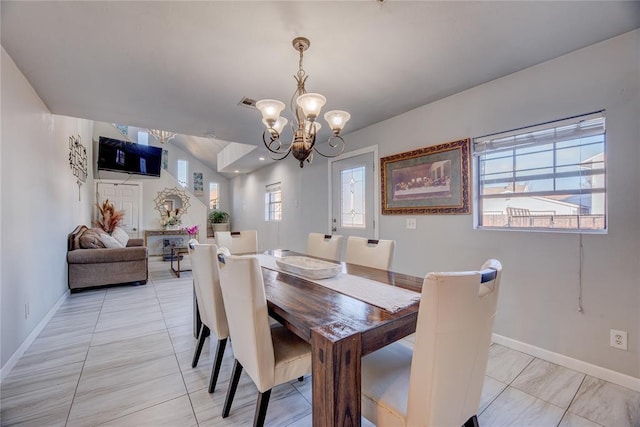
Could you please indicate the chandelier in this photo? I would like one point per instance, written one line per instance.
(162, 135)
(305, 109)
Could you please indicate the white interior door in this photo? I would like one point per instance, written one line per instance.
(124, 197)
(353, 195)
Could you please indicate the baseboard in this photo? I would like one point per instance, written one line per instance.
(11, 363)
(571, 363)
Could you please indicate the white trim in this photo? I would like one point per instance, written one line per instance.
(376, 184)
(571, 363)
(13, 360)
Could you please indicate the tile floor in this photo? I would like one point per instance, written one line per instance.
(122, 357)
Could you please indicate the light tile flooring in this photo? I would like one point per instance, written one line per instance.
(122, 357)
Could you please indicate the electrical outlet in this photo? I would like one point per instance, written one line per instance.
(411, 223)
(618, 339)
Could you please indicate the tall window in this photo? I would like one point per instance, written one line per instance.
(273, 202)
(548, 177)
(214, 197)
(182, 172)
(143, 138)
(352, 197)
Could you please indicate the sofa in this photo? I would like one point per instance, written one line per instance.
(90, 265)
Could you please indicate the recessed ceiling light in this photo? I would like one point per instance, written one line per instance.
(261, 158)
(236, 171)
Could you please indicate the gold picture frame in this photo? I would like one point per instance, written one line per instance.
(430, 180)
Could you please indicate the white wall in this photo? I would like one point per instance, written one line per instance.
(39, 201)
(538, 303)
(197, 213)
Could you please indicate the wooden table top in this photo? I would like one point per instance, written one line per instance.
(303, 306)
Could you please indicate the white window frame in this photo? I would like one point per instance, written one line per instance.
(271, 213)
(182, 180)
(214, 204)
(520, 146)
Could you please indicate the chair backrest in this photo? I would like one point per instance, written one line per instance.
(204, 264)
(370, 253)
(324, 246)
(246, 306)
(238, 242)
(451, 347)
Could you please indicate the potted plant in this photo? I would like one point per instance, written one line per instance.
(219, 220)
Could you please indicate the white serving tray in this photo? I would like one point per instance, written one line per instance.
(310, 268)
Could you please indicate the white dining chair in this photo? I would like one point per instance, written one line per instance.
(270, 354)
(238, 242)
(324, 246)
(370, 253)
(204, 264)
(439, 383)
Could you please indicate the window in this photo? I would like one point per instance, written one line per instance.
(182, 172)
(273, 202)
(352, 198)
(143, 138)
(214, 197)
(548, 177)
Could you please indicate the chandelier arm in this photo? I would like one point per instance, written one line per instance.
(269, 145)
(284, 156)
(334, 145)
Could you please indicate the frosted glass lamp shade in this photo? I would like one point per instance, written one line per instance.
(337, 119)
(270, 109)
(311, 104)
(278, 125)
(308, 124)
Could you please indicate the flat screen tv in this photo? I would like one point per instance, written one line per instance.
(122, 156)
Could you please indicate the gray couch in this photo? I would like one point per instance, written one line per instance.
(105, 266)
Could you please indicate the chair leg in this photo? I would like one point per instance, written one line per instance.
(204, 333)
(231, 391)
(261, 408)
(472, 422)
(216, 364)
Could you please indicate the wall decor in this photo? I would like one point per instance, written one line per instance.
(165, 159)
(198, 185)
(78, 160)
(430, 180)
(172, 202)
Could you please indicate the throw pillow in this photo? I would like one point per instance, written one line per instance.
(90, 239)
(110, 241)
(120, 235)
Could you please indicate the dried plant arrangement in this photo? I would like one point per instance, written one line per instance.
(111, 218)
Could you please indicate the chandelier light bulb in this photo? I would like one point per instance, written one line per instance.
(308, 124)
(337, 119)
(270, 109)
(311, 104)
(280, 123)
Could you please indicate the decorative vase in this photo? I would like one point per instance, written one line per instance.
(192, 242)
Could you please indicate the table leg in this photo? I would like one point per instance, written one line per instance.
(337, 350)
(179, 256)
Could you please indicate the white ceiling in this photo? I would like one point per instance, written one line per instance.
(184, 66)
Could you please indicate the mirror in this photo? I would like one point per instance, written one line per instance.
(171, 199)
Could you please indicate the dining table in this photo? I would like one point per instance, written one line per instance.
(340, 328)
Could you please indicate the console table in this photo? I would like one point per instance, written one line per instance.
(170, 238)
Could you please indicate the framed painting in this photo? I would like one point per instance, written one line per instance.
(198, 184)
(430, 180)
(165, 159)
